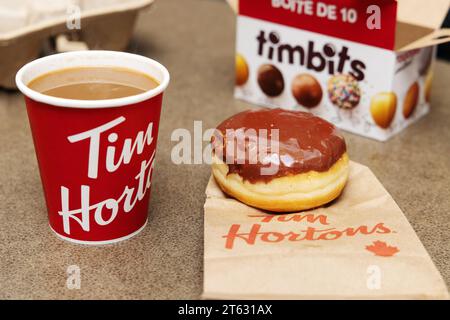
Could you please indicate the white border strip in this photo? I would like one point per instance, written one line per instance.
(99, 243)
(88, 55)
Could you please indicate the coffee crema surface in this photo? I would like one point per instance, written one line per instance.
(93, 83)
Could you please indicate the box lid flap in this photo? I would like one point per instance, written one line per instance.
(234, 4)
(419, 12)
(415, 37)
(418, 24)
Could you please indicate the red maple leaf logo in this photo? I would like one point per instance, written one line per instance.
(382, 249)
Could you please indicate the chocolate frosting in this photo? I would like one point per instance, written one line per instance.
(304, 143)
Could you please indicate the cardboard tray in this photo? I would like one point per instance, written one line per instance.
(107, 28)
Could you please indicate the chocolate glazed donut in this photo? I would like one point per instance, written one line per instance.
(308, 154)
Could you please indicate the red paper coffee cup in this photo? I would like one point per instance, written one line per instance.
(96, 158)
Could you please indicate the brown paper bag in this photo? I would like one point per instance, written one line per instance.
(359, 247)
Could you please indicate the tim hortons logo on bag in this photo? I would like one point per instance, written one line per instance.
(130, 195)
(327, 58)
(318, 229)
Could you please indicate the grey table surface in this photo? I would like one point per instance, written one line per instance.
(195, 40)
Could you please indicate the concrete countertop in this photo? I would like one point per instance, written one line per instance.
(195, 40)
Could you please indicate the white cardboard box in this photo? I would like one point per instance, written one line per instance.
(390, 67)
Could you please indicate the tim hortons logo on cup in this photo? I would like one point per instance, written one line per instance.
(130, 195)
(327, 59)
